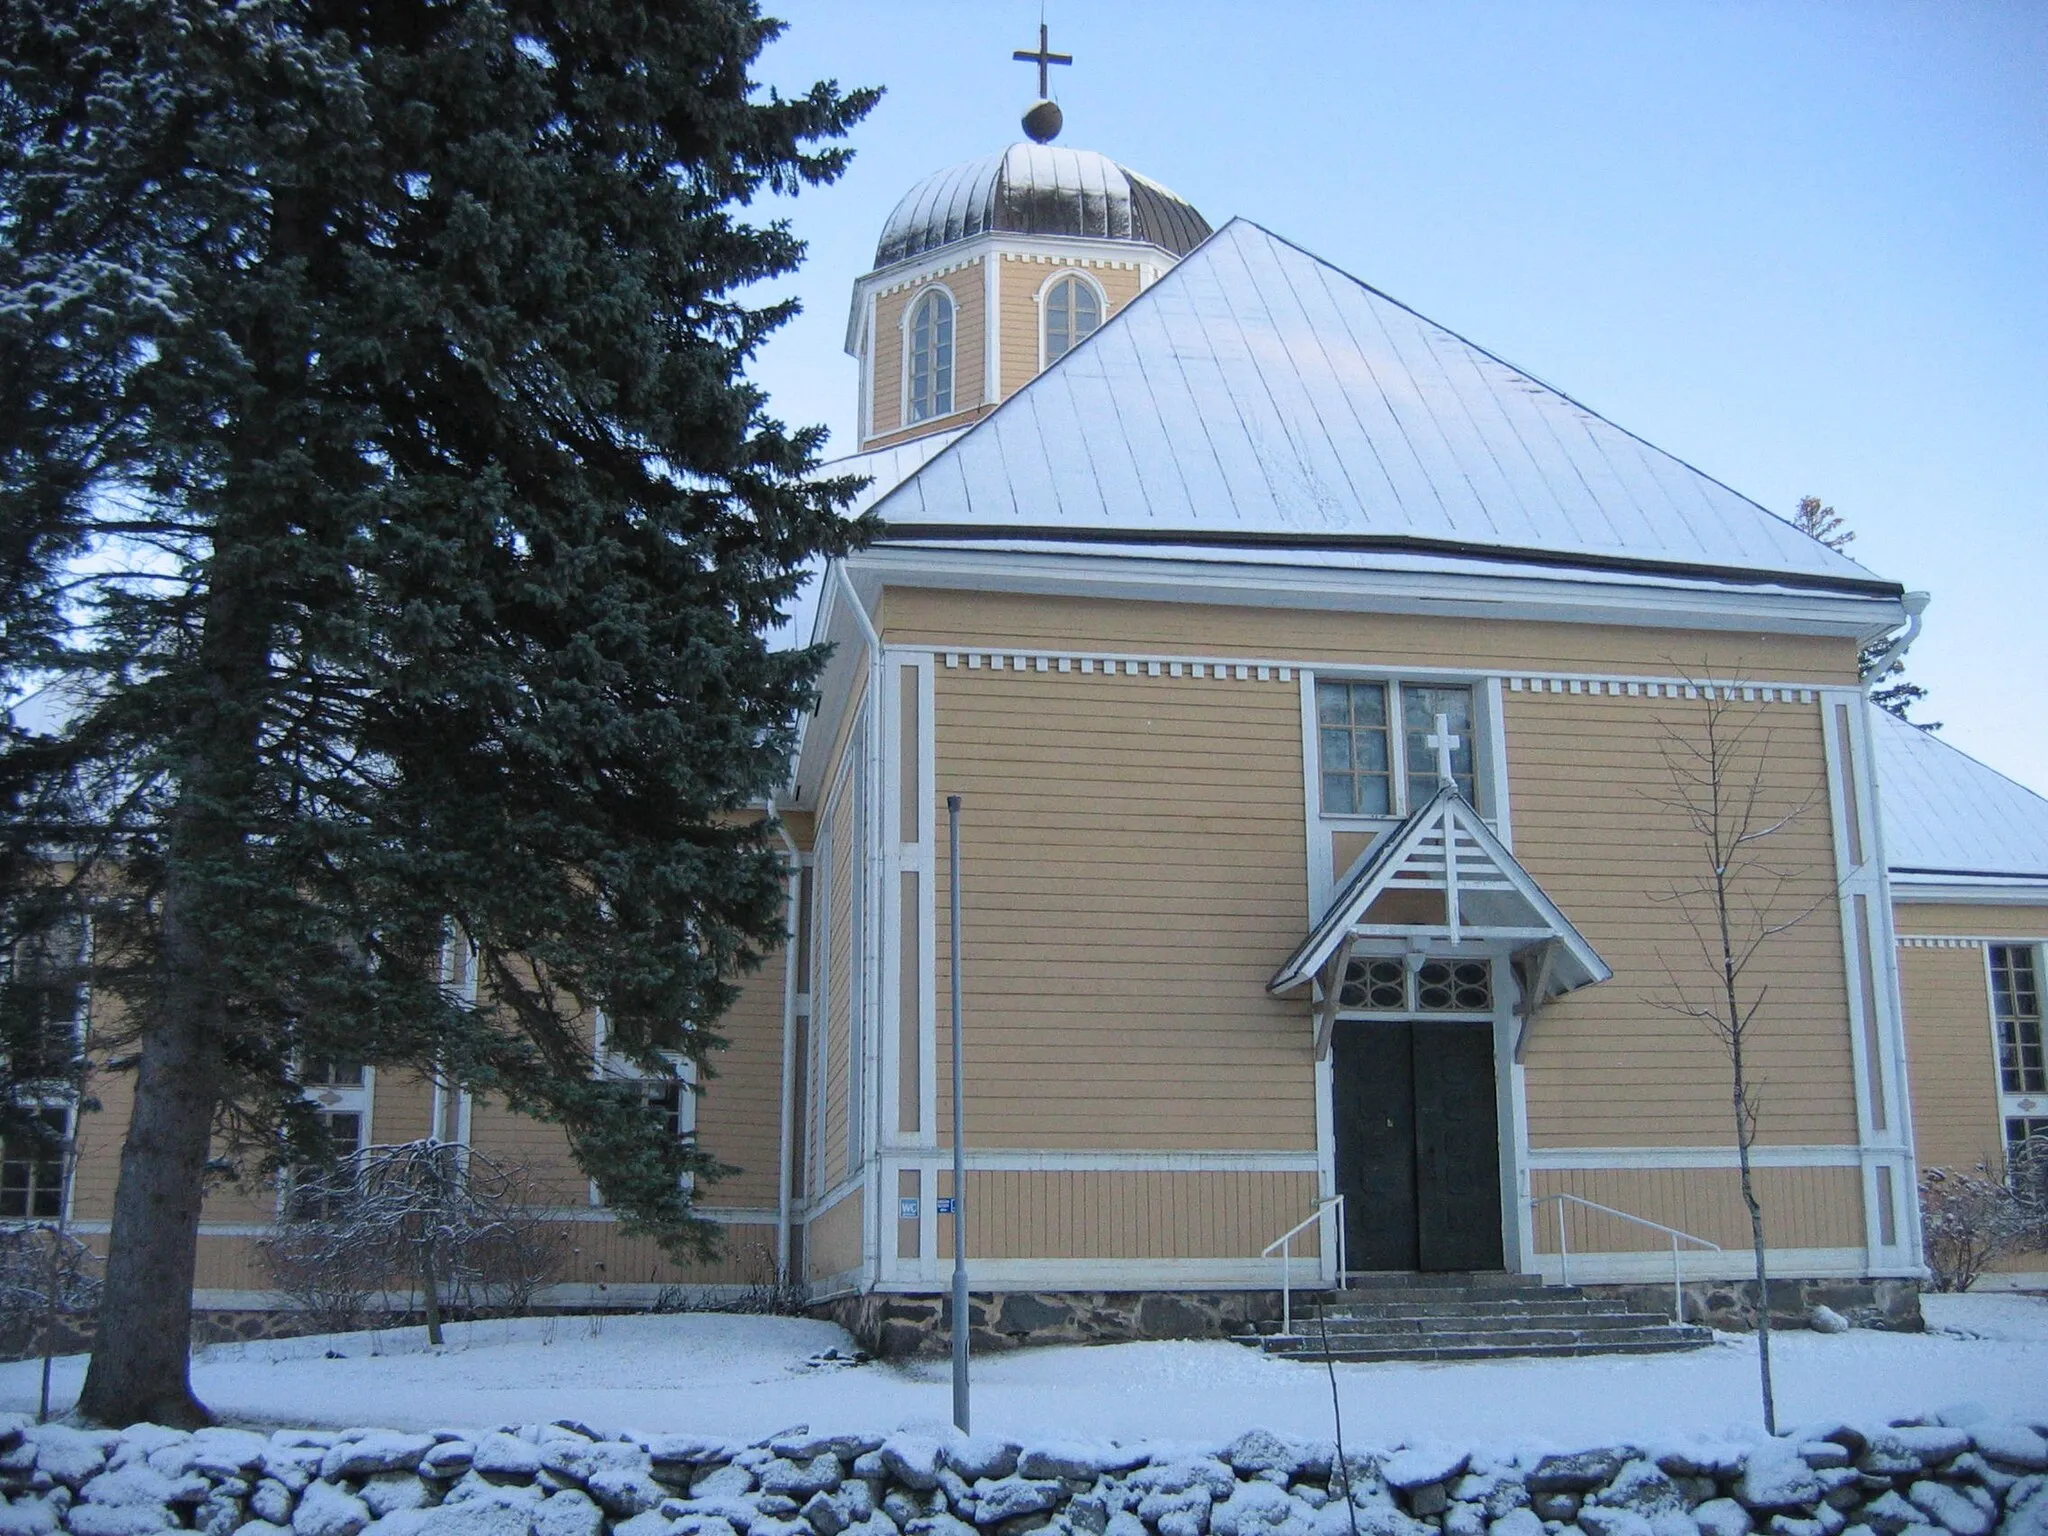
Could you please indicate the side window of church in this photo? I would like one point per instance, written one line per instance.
(2016, 1008)
(1357, 744)
(931, 356)
(40, 1004)
(1072, 314)
(32, 1170)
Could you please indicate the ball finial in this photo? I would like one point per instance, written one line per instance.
(1042, 123)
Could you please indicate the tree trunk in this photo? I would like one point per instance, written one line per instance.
(141, 1359)
(1756, 1238)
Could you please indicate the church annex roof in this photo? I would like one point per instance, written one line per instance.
(1257, 396)
(1039, 189)
(1949, 819)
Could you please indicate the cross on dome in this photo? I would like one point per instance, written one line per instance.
(1042, 58)
(1042, 122)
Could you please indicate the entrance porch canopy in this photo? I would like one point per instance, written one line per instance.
(1440, 880)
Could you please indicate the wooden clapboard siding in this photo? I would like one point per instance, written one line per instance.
(1607, 1066)
(1803, 1207)
(1132, 872)
(843, 956)
(1949, 1041)
(538, 1147)
(1021, 323)
(1134, 1215)
(100, 1135)
(739, 1111)
(832, 1241)
(591, 1253)
(921, 616)
(1935, 919)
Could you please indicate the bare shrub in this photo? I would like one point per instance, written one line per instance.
(768, 1289)
(1968, 1221)
(48, 1279)
(451, 1226)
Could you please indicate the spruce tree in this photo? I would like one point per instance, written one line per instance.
(1894, 698)
(382, 481)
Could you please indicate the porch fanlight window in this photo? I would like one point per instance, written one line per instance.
(931, 356)
(2016, 1007)
(1375, 985)
(1356, 745)
(1072, 314)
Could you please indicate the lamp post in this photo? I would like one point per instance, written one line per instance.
(960, 1413)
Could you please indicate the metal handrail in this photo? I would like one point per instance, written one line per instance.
(1285, 1243)
(1564, 1252)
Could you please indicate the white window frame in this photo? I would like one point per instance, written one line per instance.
(1484, 729)
(328, 1100)
(1044, 296)
(63, 1099)
(2023, 1105)
(612, 1067)
(907, 413)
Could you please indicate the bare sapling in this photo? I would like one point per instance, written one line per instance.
(1741, 884)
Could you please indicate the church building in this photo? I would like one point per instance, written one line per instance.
(1324, 695)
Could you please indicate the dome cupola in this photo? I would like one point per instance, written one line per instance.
(995, 269)
(1039, 189)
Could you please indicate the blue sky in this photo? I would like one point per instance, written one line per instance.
(1802, 245)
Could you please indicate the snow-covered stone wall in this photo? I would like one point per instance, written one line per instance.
(1980, 1478)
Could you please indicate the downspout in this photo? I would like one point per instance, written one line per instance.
(784, 1186)
(1915, 604)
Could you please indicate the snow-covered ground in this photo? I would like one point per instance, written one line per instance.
(747, 1377)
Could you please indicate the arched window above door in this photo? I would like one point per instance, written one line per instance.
(928, 347)
(1073, 311)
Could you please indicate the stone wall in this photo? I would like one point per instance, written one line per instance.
(1730, 1305)
(1918, 1478)
(896, 1327)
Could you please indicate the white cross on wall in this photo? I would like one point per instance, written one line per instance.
(1445, 744)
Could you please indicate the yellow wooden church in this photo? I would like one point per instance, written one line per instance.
(1318, 688)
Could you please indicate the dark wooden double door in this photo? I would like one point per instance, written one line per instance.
(1418, 1146)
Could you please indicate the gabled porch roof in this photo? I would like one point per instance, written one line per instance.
(1445, 852)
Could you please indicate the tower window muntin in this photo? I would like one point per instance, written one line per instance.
(928, 356)
(1072, 311)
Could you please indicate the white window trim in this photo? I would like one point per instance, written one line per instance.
(1044, 293)
(66, 1099)
(2015, 1106)
(904, 418)
(336, 1099)
(1486, 760)
(605, 1064)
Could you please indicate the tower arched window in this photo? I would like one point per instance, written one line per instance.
(930, 341)
(1073, 310)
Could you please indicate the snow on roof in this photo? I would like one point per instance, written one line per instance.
(1945, 813)
(1257, 395)
(884, 470)
(1038, 189)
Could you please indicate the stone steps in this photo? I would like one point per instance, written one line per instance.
(1469, 1318)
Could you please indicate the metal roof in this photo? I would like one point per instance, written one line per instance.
(1038, 189)
(1257, 396)
(1948, 816)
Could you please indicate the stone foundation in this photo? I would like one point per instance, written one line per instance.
(896, 1327)
(1731, 1305)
